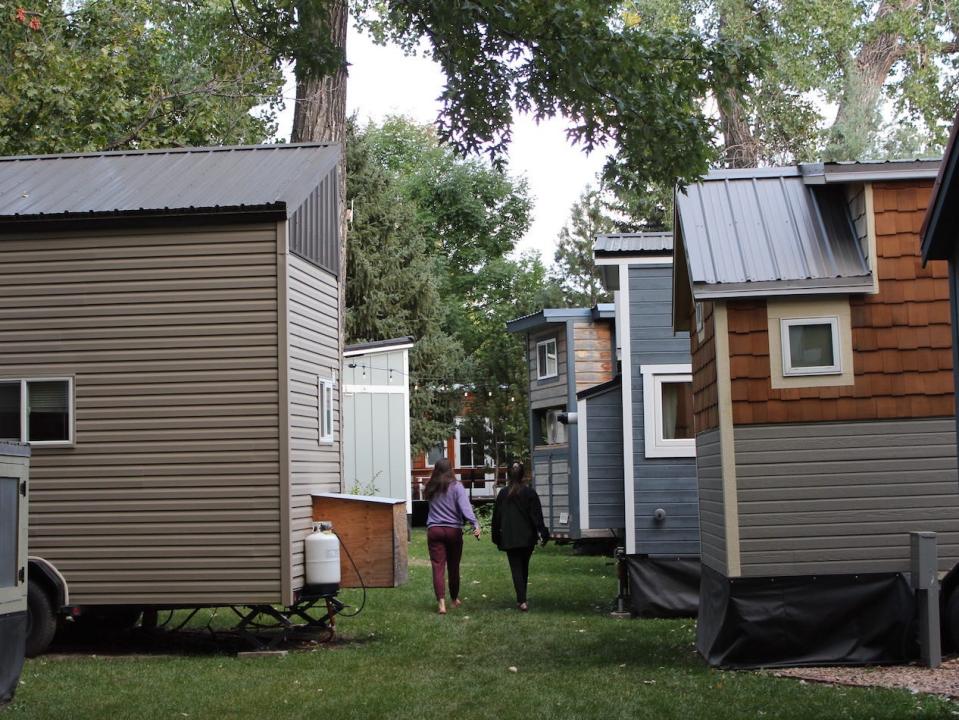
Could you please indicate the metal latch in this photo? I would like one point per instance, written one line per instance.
(22, 575)
(23, 488)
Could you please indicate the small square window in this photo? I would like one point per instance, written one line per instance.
(810, 346)
(546, 364)
(38, 411)
(668, 411)
(326, 409)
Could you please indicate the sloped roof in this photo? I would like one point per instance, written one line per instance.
(600, 311)
(376, 346)
(216, 179)
(763, 231)
(636, 243)
(942, 216)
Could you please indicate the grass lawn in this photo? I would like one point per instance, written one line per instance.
(404, 661)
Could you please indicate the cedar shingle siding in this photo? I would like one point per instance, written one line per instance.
(705, 396)
(901, 336)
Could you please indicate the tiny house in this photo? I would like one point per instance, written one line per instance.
(637, 466)
(567, 350)
(14, 472)
(376, 419)
(823, 404)
(170, 349)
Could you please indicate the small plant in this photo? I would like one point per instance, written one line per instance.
(368, 488)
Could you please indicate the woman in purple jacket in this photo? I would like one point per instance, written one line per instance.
(449, 510)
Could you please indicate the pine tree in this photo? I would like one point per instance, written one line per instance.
(575, 268)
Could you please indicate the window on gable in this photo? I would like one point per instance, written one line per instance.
(810, 346)
(37, 411)
(668, 411)
(546, 364)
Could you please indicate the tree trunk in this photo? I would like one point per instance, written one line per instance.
(858, 117)
(320, 116)
(741, 147)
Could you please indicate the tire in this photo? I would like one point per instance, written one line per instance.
(110, 617)
(41, 619)
(952, 616)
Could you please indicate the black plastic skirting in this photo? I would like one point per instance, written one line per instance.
(13, 633)
(663, 587)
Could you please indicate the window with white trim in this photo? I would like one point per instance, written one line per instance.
(546, 364)
(326, 409)
(38, 411)
(668, 411)
(810, 346)
(469, 450)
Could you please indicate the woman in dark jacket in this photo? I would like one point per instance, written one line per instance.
(517, 522)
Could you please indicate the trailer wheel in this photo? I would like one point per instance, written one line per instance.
(952, 617)
(41, 619)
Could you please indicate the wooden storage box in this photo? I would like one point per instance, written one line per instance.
(374, 532)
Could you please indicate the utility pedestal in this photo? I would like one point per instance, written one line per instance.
(925, 581)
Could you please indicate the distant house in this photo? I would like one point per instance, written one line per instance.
(567, 350)
(376, 419)
(823, 403)
(637, 464)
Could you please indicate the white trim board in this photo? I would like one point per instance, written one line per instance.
(374, 351)
(635, 260)
(582, 439)
(388, 389)
(655, 446)
(629, 490)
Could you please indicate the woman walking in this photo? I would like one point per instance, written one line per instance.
(517, 521)
(449, 510)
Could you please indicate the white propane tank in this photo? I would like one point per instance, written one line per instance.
(322, 551)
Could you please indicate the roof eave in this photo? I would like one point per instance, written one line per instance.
(248, 213)
(819, 286)
(378, 346)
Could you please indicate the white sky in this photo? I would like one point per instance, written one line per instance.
(383, 81)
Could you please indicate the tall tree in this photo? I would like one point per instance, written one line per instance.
(575, 267)
(115, 74)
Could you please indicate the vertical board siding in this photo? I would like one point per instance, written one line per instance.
(705, 390)
(314, 352)
(901, 336)
(712, 518)
(604, 449)
(843, 497)
(551, 392)
(315, 226)
(171, 492)
(593, 350)
(551, 482)
(667, 483)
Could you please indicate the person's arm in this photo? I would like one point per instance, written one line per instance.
(466, 509)
(536, 515)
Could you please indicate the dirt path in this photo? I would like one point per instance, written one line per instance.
(943, 681)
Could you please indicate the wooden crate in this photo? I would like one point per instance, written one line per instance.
(375, 533)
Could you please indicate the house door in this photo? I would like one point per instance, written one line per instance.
(13, 534)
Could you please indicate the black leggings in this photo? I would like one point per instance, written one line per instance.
(519, 567)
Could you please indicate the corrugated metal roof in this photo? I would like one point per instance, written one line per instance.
(634, 243)
(762, 230)
(190, 179)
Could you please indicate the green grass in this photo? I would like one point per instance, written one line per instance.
(401, 660)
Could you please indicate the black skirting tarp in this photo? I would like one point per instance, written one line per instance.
(806, 620)
(13, 633)
(663, 587)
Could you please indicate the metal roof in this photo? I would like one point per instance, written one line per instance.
(602, 311)
(275, 177)
(766, 231)
(636, 243)
(376, 346)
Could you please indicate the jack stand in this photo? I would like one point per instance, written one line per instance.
(263, 638)
(622, 608)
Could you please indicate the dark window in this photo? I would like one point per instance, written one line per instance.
(470, 453)
(48, 411)
(10, 411)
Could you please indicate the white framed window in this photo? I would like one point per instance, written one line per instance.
(468, 451)
(38, 411)
(546, 364)
(810, 346)
(326, 409)
(668, 411)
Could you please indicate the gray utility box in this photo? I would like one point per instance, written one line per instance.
(14, 471)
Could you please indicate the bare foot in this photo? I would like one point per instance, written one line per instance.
(442, 607)
(523, 606)
(457, 602)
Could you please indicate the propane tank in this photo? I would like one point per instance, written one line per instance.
(322, 555)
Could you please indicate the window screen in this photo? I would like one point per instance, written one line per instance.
(10, 411)
(9, 530)
(48, 410)
(811, 346)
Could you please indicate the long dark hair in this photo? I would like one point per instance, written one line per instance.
(440, 480)
(517, 477)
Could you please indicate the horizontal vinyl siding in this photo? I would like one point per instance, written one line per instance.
(843, 497)
(667, 483)
(550, 392)
(170, 495)
(314, 352)
(604, 441)
(712, 517)
(551, 482)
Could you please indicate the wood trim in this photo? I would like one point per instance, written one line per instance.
(283, 393)
(629, 500)
(727, 442)
(873, 259)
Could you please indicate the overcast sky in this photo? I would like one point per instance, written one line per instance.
(383, 81)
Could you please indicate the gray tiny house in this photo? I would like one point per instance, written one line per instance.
(567, 350)
(638, 473)
(170, 349)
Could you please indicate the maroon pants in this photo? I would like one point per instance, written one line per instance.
(446, 548)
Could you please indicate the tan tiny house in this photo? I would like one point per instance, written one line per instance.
(823, 402)
(170, 349)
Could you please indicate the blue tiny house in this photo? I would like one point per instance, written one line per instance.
(568, 350)
(638, 471)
